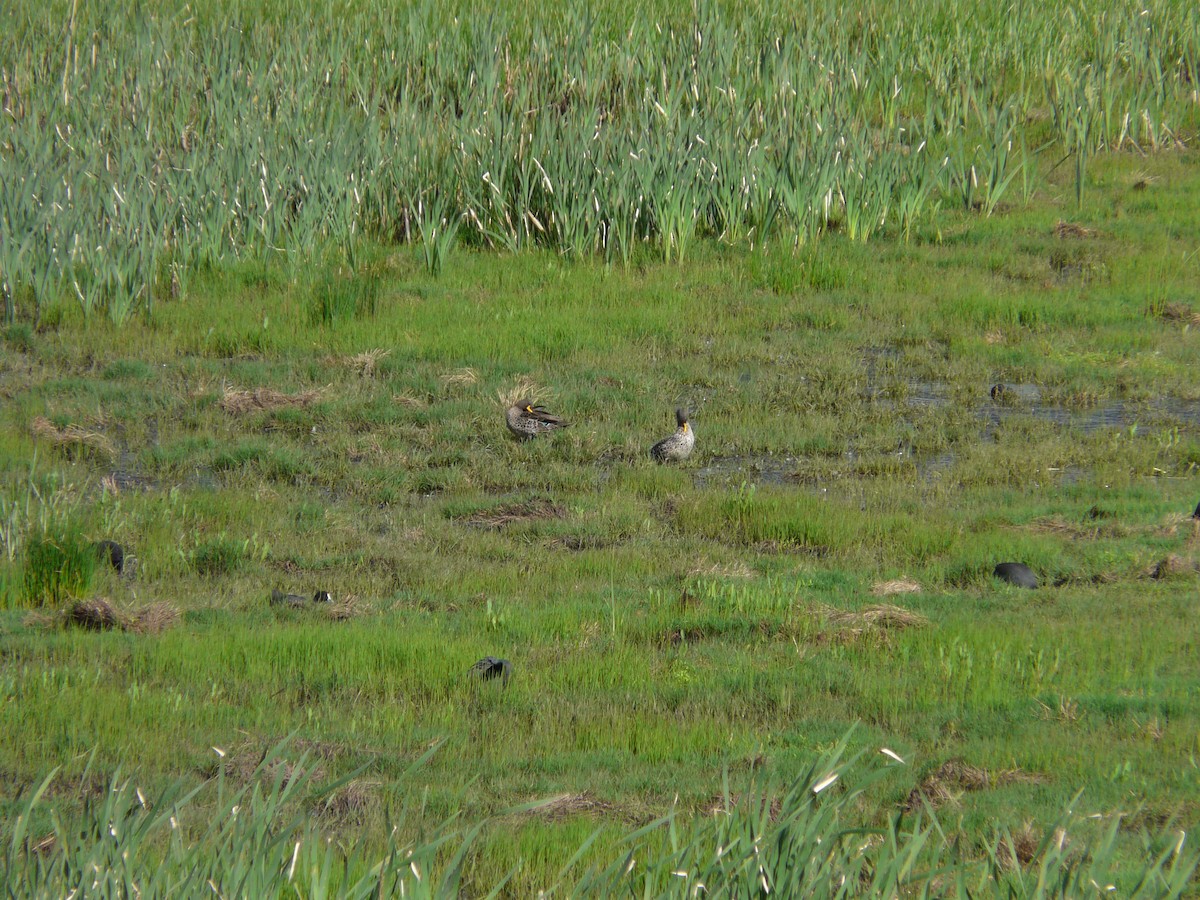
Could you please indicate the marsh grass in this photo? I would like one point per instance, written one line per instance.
(664, 624)
(571, 130)
(59, 564)
(797, 839)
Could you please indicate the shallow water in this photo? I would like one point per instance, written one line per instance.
(753, 469)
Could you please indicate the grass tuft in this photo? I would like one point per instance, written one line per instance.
(73, 437)
(896, 586)
(59, 564)
(238, 402)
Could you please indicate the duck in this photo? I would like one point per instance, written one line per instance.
(279, 598)
(527, 420)
(678, 446)
(491, 667)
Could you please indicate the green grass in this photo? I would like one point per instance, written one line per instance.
(668, 623)
(676, 631)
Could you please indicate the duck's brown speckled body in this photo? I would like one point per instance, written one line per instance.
(527, 421)
(678, 446)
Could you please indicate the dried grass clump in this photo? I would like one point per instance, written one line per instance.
(705, 569)
(152, 619)
(566, 805)
(1143, 180)
(72, 436)
(236, 401)
(350, 805)
(98, 614)
(1020, 848)
(579, 542)
(1067, 710)
(463, 377)
(345, 607)
(896, 586)
(94, 615)
(1053, 525)
(1172, 566)
(878, 621)
(882, 615)
(524, 388)
(955, 777)
(1066, 229)
(509, 514)
(1179, 312)
(364, 364)
(410, 401)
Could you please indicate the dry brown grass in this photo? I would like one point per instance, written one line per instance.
(93, 615)
(955, 778)
(1179, 312)
(1066, 229)
(364, 364)
(72, 436)
(524, 388)
(350, 805)
(579, 542)
(509, 514)
(99, 614)
(1098, 526)
(154, 618)
(1067, 710)
(881, 615)
(1020, 848)
(564, 806)
(237, 402)
(1172, 566)
(706, 569)
(872, 622)
(411, 401)
(896, 586)
(346, 607)
(464, 377)
(995, 336)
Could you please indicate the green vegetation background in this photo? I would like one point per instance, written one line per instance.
(666, 624)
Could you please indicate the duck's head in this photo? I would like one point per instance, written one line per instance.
(681, 419)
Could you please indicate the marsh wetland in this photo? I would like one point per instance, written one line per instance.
(890, 394)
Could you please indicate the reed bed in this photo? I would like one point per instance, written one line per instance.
(796, 840)
(141, 148)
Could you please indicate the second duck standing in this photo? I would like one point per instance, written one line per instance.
(678, 446)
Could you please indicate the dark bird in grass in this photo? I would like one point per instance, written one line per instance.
(279, 598)
(112, 553)
(1016, 573)
(527, 421)
(678, 446)
(1196, 514)
(490, 668)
